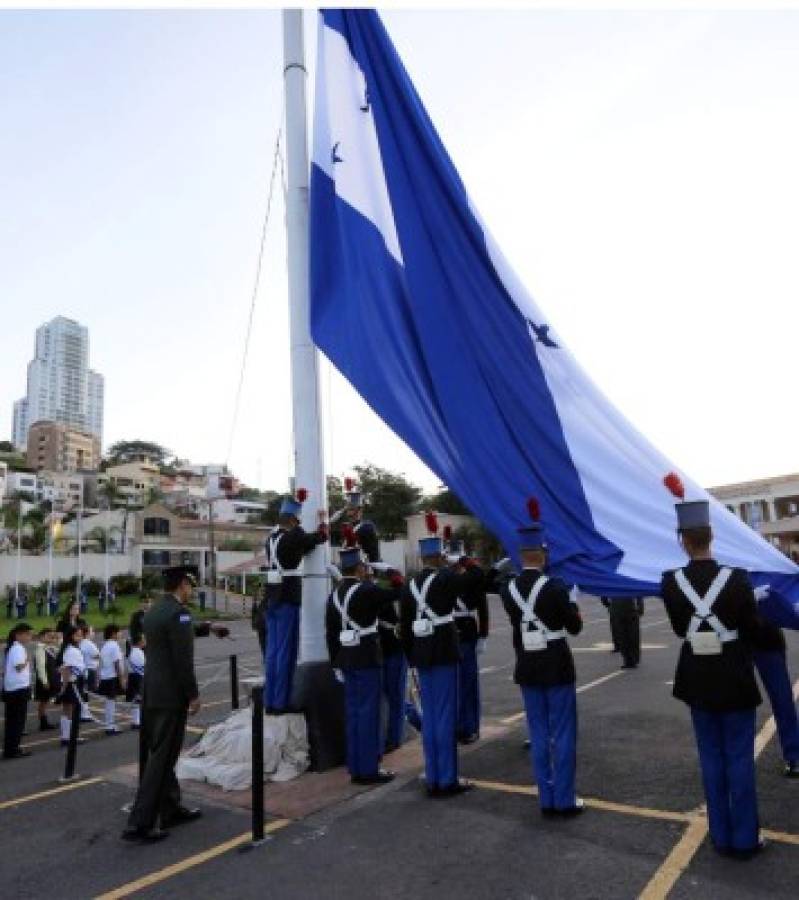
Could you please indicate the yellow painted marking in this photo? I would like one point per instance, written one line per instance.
(598, 681)
(592, 802)
(7, 804)
(679, 859)
(781, 837)
(189, 862)
(516, 717)
(57, 740)
(676, 862)
(193, 729)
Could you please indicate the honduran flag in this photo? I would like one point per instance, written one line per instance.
(412, 300)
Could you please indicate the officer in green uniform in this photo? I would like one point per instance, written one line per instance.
(170, 694)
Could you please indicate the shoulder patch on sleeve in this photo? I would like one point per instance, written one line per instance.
(185, 618)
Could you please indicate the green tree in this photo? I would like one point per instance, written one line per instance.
(445, 502)
(130, 451)
(110, 493)
(7, 447)
(388, 498)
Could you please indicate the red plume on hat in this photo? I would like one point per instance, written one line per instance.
(349, 484)
(534, 509)
(431, 521)
(348, 536)
(674, 483)
(302, 495)
(447, 532)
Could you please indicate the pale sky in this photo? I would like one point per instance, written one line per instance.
(639, 169)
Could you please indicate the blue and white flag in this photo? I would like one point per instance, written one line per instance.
(413, 302)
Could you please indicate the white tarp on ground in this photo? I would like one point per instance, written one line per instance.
(223, 756)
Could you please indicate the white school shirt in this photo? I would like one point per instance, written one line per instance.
(109, 655)
(136, 661)
(91, 655)
(73, 660)
(14, 680)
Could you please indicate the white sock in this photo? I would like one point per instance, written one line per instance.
(110, 707)
(65, 723)
(135, 715)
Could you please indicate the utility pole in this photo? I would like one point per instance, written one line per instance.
(212, 549)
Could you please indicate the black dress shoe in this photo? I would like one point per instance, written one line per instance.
(382, 777)
(181, 816)
(548, 812)
(469, 739)
(571, 811)
(17, 754)
(461, 786)
(143, 835)
(759, 847)
(526, 744)
(791, 770)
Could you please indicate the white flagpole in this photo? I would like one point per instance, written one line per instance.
(50, 557)
(80, 556)
(19, 550)
(309, 467)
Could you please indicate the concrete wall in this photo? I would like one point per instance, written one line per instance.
(35, 569)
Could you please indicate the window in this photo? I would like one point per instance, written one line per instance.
(156, 526)
(155, 557)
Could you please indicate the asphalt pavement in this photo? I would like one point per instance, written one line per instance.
(643, 833)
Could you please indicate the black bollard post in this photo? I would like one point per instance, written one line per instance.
(72, 747)
(234, 681)
(257, 764)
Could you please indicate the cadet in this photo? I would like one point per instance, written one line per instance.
(770, 661)
(471, 618)
(365, 531)
(625, 627)
(541, 613)
(713, 608)
(170, 693)
(285, 548)
(351, 626)
(430, 640)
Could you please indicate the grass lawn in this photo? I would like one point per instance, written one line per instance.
(124, 607)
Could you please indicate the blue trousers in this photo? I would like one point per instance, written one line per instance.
(395, 683)
(439, 689)
(282, 645)
(468, 691)
(362, 706)
(552, 722)
(726, 743)
(773, 671)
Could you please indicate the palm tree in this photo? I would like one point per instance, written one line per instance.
(111, 493)
(99, 536)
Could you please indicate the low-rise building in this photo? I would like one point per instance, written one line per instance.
(770, 506)
(56, 447)
(233, 510)
(136, 483)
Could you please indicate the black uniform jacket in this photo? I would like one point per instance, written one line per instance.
(725, 682)
(368, 603)
(293, 546)
(554, 665)
(440, 648)
(368, 541)
(169, 681)
(135, 628)
(470, 628)
(389, 626)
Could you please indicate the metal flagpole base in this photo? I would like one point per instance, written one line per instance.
(68, 779)
(317, 693)
(254, 845)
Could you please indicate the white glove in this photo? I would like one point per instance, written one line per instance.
(761, 593)
(504, 566)
(481, 646)
(333, 571)
(339, 675)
